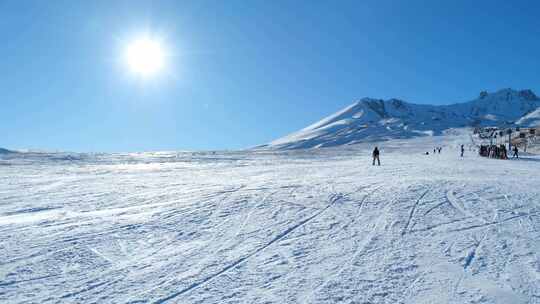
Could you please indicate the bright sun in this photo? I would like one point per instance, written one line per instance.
(145, 56)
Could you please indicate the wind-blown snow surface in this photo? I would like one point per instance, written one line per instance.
(319, 226)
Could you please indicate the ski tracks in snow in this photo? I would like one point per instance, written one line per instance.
(333, 199)
(360, 245)
(474, 252)
(413, 208)
(400, 245)
(456, 203)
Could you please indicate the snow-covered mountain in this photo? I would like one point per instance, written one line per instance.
(5, 151)
(376, 119)
(530, 120)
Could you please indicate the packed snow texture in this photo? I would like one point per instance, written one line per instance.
(307, 226)
(376, 119)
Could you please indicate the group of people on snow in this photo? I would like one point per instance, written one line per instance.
(491, 151)
(498, 152)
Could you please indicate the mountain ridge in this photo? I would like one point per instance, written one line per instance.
(5, 151)
(371, 119)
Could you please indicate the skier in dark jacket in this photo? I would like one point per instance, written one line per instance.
(462, 150)
(376, 156)
(504, 154)
(515, 152)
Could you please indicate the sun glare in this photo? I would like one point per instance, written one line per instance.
(145, 57)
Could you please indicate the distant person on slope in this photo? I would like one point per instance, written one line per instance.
(504, 153)
(515, 152)
(462, 150)
(376, 156)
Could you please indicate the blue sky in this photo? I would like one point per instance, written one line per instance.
(241, 73)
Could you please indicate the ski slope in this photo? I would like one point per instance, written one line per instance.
(303, 226)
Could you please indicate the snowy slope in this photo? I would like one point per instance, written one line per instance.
(317, 226)
(5, 151)
(530, 120)
(373, 119)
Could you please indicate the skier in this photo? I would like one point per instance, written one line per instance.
(462, 150)
(376, 156)
(515, 152)
(440, 148)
